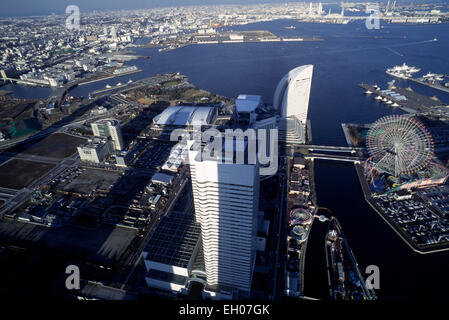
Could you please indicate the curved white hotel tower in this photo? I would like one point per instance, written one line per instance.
(292, 99)
(226, 200)
(293, 92)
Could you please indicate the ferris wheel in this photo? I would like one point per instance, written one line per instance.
(399, 145)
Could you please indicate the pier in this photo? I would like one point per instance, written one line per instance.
(433, 86)
(414, 102)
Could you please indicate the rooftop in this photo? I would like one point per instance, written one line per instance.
(185, 116)
(248, 103)
(174, 240)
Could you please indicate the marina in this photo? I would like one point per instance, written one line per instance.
(404, 99)
(432, 80)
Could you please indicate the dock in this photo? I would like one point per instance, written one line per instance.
(413, 103)
(433, 86)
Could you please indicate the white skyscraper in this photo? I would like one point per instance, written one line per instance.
(109, 129)
(293, 92)
(291, 98)
(226, 200)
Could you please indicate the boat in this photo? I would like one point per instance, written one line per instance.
(395, 105)
(108, 86)
(384, 99)
(389, 102)
(368, 92)
(290, 27)
(130, 81)
(378, 98)
(402, 72)
(433, 77)
(119, 84)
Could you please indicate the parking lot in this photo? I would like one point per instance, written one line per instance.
(90, 180)
(439, 197)
(154, 156)
(413, 217)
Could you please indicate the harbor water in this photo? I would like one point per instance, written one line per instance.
(350, 54)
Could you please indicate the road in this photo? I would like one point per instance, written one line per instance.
(278, 278)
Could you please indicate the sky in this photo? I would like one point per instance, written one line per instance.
(45, 7)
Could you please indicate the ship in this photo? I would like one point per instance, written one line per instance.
(346, 281)
(432, 77)
(402, 72)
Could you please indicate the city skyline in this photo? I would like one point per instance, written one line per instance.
(19, 8)
(212, 153)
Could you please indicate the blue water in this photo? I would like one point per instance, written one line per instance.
(350, 55)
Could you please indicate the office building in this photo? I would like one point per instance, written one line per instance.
(94, 151)
(246, 106)
(109, 129)
(226, 199)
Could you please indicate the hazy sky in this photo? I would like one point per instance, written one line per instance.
(43, 7)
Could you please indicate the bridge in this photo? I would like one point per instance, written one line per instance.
(330, 148)
(333, 153)
(19, 81)
(332, 158)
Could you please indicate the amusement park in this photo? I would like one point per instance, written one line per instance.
(403, 176)
(401, 155)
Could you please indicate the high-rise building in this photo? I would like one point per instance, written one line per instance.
(291, 98)
(94, 151)
(226, 200)
(109, 129)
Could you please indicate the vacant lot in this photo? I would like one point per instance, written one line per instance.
(57, 145)
(92, 179)
(17, 174)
